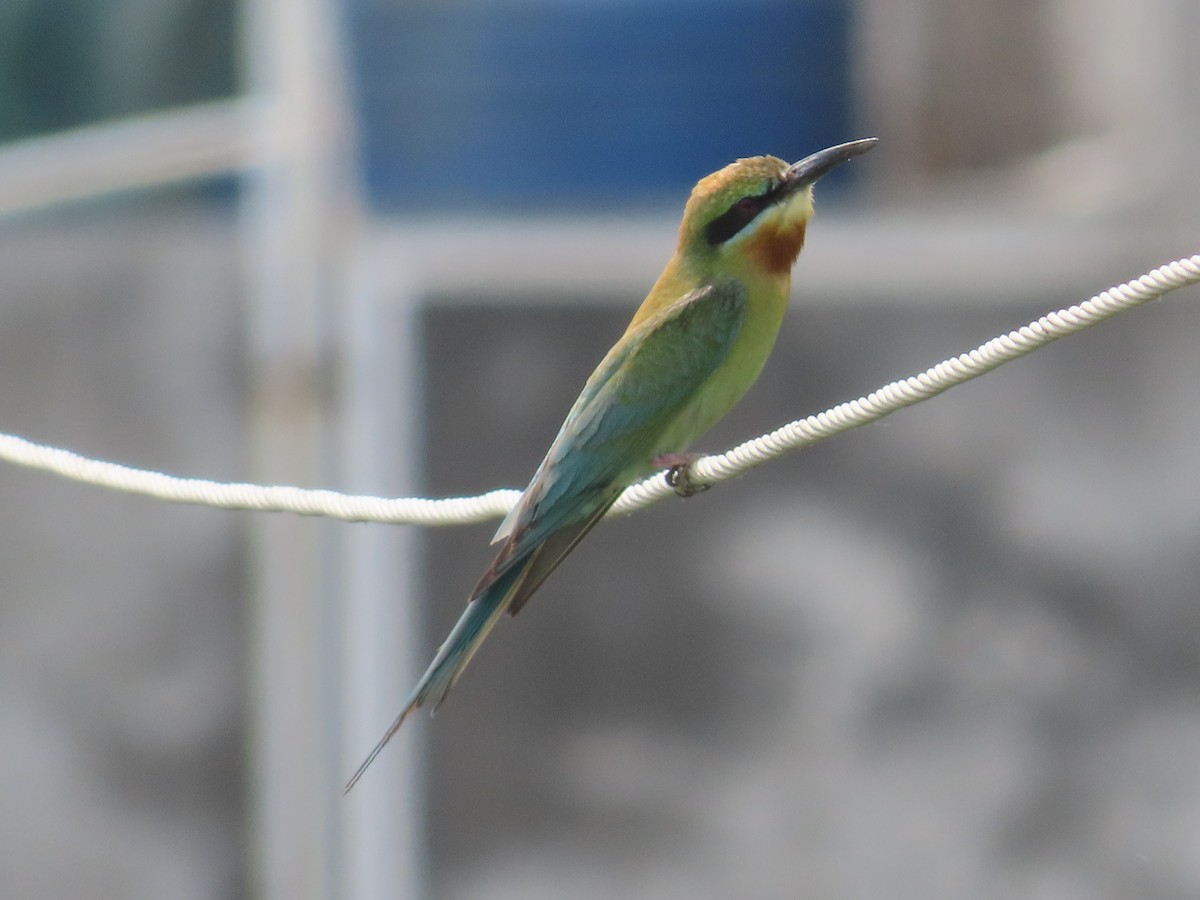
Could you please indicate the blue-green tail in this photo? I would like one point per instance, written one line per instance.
(519, 570)
(452, 657)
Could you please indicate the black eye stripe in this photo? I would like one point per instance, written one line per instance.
(737, 217)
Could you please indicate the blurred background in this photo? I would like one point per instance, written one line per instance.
(378, 245)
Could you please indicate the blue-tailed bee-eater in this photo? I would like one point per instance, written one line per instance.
(695, 345)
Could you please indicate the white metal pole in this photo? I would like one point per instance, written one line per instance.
(383, 841)
(326, 610)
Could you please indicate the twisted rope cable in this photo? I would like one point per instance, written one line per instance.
(256, 497)
(802, 433)
(705, 471)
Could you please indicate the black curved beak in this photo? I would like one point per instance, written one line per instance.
(809, 169)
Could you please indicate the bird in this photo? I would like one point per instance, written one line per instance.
(692, 349)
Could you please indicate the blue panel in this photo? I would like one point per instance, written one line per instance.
(524, 104)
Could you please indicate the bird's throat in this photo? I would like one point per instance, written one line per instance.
(775, 245)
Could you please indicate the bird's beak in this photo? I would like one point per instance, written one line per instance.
(812, 167)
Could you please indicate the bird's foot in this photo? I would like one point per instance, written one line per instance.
(679, 472)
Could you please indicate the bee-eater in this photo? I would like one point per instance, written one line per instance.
(695, 345)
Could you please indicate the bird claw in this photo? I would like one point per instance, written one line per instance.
(679, 473)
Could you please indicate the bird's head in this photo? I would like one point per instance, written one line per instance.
(754, 211)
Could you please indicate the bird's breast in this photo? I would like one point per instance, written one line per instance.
(765, 306)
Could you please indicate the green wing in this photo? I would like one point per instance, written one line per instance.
(615, 427)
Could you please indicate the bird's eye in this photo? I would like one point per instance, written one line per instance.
(734, 219)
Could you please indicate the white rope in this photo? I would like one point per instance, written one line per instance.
(933, 381)
(704, 471)
(264, 498)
